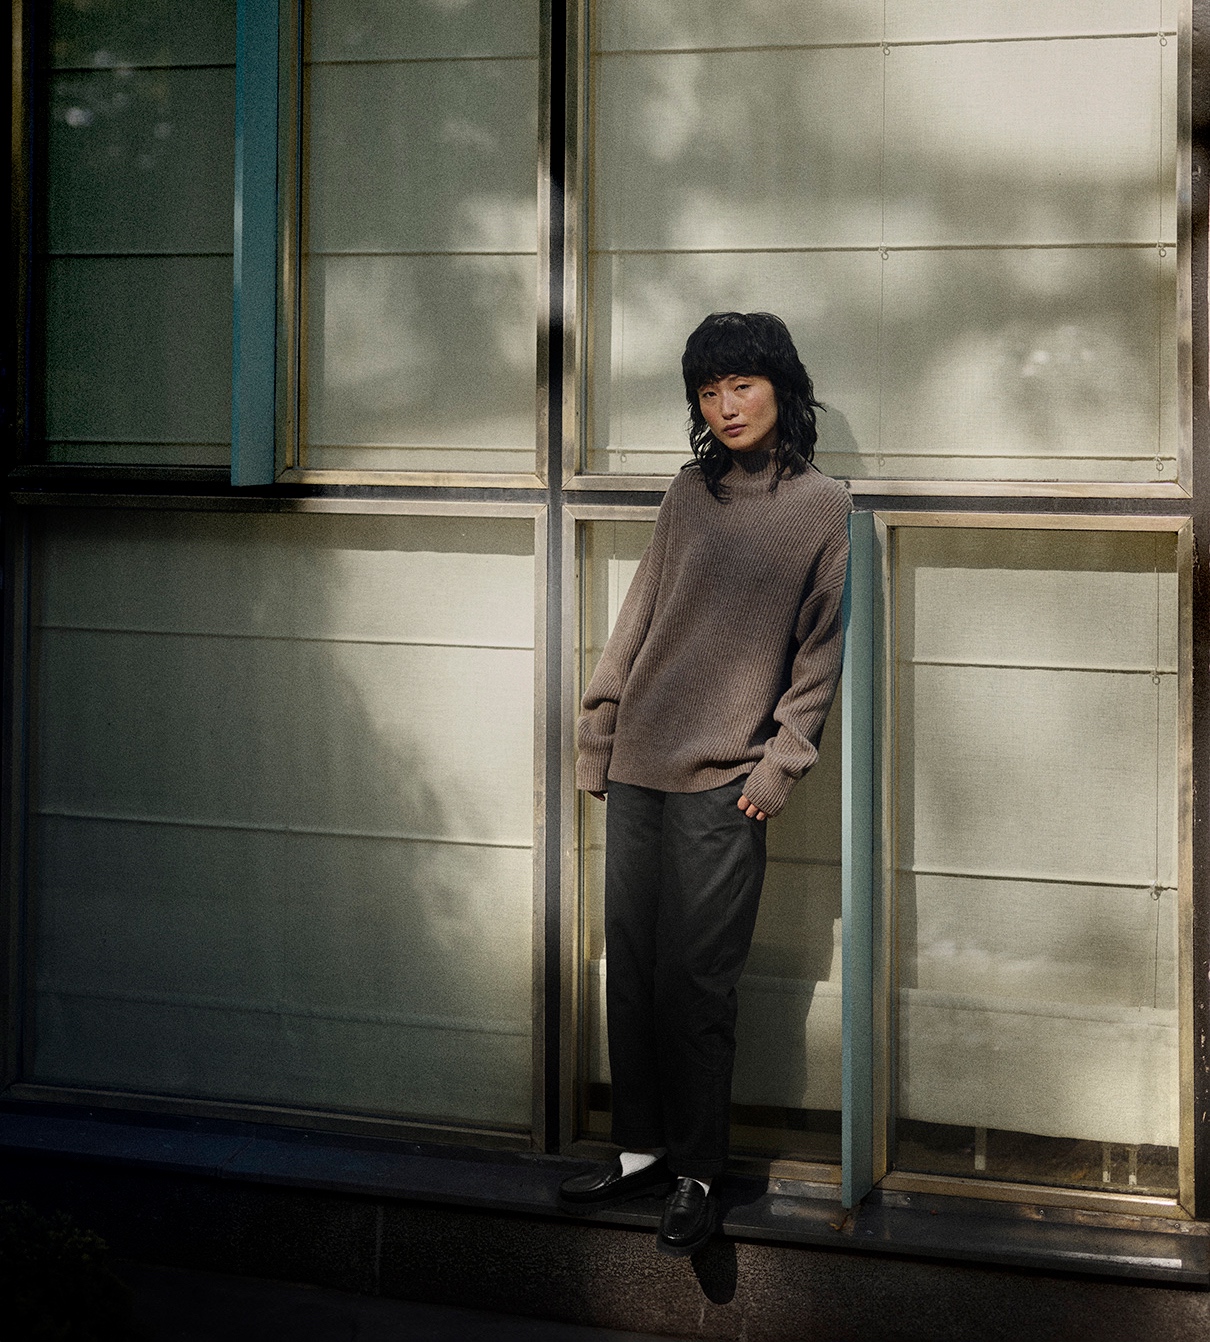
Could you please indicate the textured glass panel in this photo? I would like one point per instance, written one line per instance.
(142, 32)
(283, 809)
(407, 353)
(140, 161)
(621, 25)
(786, 1090)
(433, 156)
(738, 149)
(420, 314)
(1036, 721)
(1028, 364)
(1023, 142)
(645, 306)
(138, 350)
(914, 20)
(134, 299)
(399, 29)
(969, 152)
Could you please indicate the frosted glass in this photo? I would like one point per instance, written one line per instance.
(1024, 142)
(1059, 598)
(1013, 363)
(430, 351)
(737, 149)
(789, 1031)
(138, 349)
(916, 20)
(141, 32)
(1006, 770)
(420, 274)
(1036, 911)
(631, 24)
(286, 784)
(397, 29)
(438, 156)
(645, 306)
(141, 161)
(1039, 943)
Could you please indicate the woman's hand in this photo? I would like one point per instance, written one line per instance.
(600, 796)
(750, 810)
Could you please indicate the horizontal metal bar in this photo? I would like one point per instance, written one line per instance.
(252, 827)
(421, 479)
(290, 1116)
(1145, 886)
(419, 60)
(873, 44)
(1149, 244)
(1040, 666)
(405, 251)
(50, 71)
(145, 255)
(992, 1190)
(1037, 521)
(207, 1002)
(253, 637)
(278, 503)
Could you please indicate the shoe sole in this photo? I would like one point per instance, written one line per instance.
(688, 1249)
(657, 1190)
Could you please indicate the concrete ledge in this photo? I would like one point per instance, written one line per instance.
(39, 1150)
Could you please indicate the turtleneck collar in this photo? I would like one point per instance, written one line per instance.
(750, 470)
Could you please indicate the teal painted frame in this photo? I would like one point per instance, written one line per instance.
(857, 818)
(254, 285)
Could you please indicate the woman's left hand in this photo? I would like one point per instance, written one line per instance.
(750, 810)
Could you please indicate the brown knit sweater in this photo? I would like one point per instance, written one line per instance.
(726, 652)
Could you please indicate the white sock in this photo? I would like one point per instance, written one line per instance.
(705, 1183)
(633, 1161)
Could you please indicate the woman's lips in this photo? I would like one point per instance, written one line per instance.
(733, 429)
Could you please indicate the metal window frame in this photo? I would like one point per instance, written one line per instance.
(1183, 1205)
(292, 314)
(21, 975)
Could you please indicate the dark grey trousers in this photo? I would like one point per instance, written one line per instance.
(683, 874)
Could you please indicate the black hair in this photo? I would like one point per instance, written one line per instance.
(730, 344)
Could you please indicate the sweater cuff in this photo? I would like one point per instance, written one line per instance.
(592, 771)
(769, 788)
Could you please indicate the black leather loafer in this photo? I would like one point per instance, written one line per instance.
(607, 1184)
(690, 1218)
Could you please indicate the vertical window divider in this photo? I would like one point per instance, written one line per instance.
(254, 286)
(857, 867)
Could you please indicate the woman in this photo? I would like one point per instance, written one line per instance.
(705, 709)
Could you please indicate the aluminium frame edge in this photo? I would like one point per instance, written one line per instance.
(538, 947)
(1182, 1206)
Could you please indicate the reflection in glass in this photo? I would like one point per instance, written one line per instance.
(786, 1090)
(420, 238)
(271, 860)
(973, 240)
(1036, 902)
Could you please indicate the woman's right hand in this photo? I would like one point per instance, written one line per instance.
(600, 796)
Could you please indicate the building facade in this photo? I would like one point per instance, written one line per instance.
(317, 523)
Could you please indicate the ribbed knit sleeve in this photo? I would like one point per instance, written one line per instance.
(801, 711)
(803, 708)
(599, 715)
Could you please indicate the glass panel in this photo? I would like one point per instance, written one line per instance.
(138, 359)
(1036, 904)
(646, 304)
(786, 1089)
(271, 859)
(135, 279)
(1007, 208)
(420, 271)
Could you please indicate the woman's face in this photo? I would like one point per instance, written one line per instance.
(741, 411)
